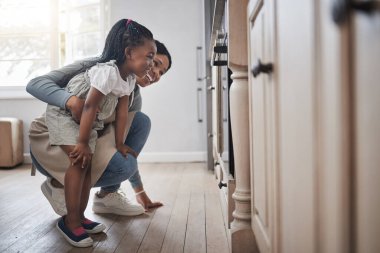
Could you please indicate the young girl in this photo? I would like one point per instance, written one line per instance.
(129, 50)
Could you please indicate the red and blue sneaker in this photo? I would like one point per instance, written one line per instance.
(92, 227)
(77, 237)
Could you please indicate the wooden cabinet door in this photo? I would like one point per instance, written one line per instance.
(263, 181)
(365, 30)
(296, 85)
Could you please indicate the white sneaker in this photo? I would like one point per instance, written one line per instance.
(116, 203)
(55, 196)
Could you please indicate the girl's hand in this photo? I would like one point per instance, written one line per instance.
(82, 151)
(124, 150)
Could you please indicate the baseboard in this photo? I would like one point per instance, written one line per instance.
(159, 157)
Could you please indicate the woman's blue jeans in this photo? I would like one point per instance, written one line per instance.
(121, 168)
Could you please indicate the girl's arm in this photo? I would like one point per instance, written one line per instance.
(121, 124)
(82, 149)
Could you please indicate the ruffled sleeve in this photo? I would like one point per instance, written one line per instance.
(103, 77)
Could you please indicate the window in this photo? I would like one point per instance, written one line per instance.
(82, 26)
(49, 34)
(24, 40)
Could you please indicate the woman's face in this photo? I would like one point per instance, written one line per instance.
(140, 59)
(160, 66)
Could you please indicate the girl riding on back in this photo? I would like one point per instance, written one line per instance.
(108, 88)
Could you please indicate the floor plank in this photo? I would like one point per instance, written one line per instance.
(176, 231)
(215, 230)
(195, 241)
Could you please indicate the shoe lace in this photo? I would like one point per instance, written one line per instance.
(120, 195)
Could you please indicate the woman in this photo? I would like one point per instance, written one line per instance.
(109, 167)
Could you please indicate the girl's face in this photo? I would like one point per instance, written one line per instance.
(160, 66)
(140, 59)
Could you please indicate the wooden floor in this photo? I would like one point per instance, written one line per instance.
(190, 220)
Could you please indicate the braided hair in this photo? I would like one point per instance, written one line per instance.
(161, 49)
(125, 33)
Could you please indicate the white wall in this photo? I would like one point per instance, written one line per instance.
(171, 104)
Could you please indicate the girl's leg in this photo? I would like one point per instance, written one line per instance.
(90, 227)
(85, 193)
(74, 179)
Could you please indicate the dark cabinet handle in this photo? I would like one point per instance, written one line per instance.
(341, 8)
(262, 68)
(221, 184)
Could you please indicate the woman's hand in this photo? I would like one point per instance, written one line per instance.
(145, 201)
(75, 105)
(82, 151)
